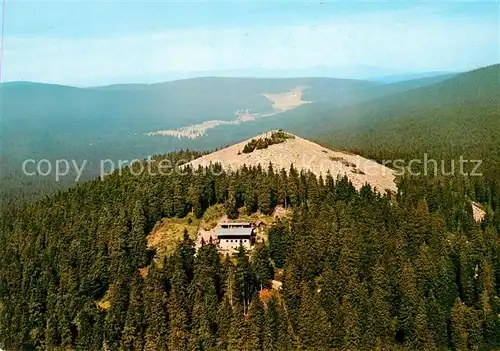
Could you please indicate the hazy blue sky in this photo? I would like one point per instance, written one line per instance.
(90, 43)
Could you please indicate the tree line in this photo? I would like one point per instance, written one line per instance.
(360, 269)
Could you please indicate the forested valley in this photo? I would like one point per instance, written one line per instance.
(360, 270)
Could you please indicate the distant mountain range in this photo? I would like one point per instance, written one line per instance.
(369, 73)
(393, 78)
(53, 121)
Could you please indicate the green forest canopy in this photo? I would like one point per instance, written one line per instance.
(360, 270)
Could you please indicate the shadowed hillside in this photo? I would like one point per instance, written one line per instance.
(44, 121)
(458, 115)
(453, 115)
(403, 119)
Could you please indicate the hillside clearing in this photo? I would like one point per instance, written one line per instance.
(289, 100)
(168, 232)
(281, 102)
(215, 216)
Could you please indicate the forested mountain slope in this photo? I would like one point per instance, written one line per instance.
(459, 116)
(140, 108)
(452, 115)
(359, 270)
(42, 121)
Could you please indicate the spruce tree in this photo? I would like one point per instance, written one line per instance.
(137, 242)
(245, 281)
(224, 320)
(237, 330)
(178, 308)
(314, 326)
(256, 320)
(263, 268)
(203, 321)
(271, 324)
(230, 204)
(116, 314)
(264, 199)
(155, 310)
(133, 330)
(459, 332)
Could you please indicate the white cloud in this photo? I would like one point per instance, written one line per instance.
(406, 41)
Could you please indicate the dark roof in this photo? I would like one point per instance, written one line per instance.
(236, 224)
(233, 232)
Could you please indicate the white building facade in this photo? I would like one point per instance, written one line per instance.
(231, 235)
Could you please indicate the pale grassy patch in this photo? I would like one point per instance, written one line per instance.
(168, 232)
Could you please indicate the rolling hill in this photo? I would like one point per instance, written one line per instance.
(375, 119)
(43, 121)
(303, 155)
(456, 114)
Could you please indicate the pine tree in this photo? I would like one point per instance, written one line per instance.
(224, 319)
(120, 266)
(271, 324)
(278, 243)
(459, 333)
(195, 197)
(466, 273)
(178, 309)
(203, 321)
(314, 326)
(285, 333)
(293, 187)
(292, 290)
(410, 299)
(133, 330)
(204, 288)
(383, 326)
(184, 256)
(155, 311)
(96, 282)
(87, 323)
(237, 330)
(281, 194)
(331, 302)
(245, 282)
(228, 278)
(250, 198)
(179, 199)
(230, 205)
(256, 320)
(272, 181)
(423, 334)
(137, 243)
(352, 338)
(263, 268)
(264, 199)
(116, 314)
(475, 329)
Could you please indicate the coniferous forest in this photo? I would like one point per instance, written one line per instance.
(360, 270)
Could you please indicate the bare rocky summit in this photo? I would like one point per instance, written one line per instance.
(304, 155)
